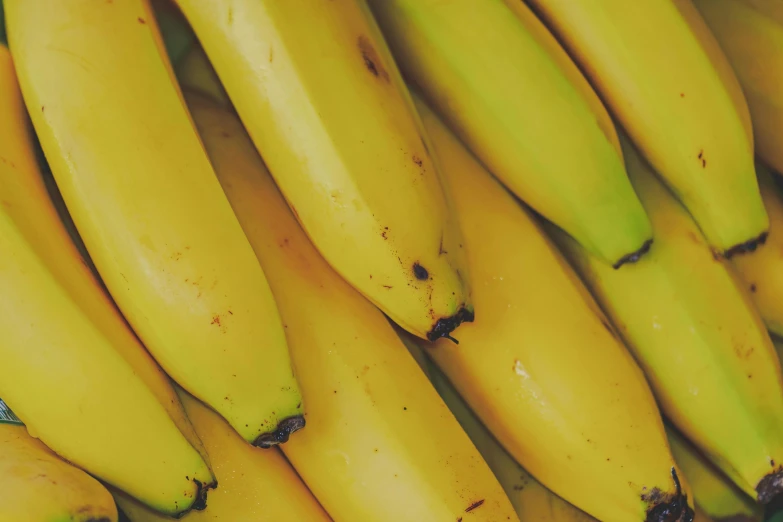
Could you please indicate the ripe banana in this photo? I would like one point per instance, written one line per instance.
(38, 486)
(715, 494)
(692, 326)
(531, 500)
(542, 368)
(255, 485)
(666, 81)
(72, 368)
(750, 33)
(763, 271)
(143, 195)
(325, 105)
(507, 88)
(380, 444)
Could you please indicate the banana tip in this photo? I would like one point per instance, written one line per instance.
(283, 432)
(633, 257)
(746, 247)
(444, 326)
(669, 507)
(770, 488)
(200, 499)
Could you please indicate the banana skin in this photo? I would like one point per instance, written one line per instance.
(343, 141)
(380, 443)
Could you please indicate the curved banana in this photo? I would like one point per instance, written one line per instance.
(531, 500)
(324, 103)
(143, 195)
(679, 101)
(750, 33)
(37, 208)
(692, 326)
(72, 368)
(542, 368)
(763, 271)
(508, 89)
(380, 444)
(38, 486)
(715, 494)
(256, 485)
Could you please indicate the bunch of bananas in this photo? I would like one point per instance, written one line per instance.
(391, 260)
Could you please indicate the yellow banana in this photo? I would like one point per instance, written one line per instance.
(35, 204)
(325, 105)
(750, 33)
(666, 81)
(380, 444)
(763, 271)
(715, 494)
(692, 326)
(701, 516)
(255, 485)
(143, 195)
(509, 91)
(530, 499)
(72, 368)
(38, 486)
(542, 368)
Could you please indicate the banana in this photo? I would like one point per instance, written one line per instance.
(509, 91)
(763, 271)
(36, 206)
(255, 485)
(325, 105)
(530, 499)
(750, 33)
(380, 444)
(72, 369)
(38, 486)
(666, 81)
(144, 198)
(701, 516)
(715, 494)
(542, 368)
(692, 326)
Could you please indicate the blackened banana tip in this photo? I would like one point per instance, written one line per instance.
(770, 487)
(200, 503)
(633, 257)
(444, 326)
(746, 247)
(283, 432)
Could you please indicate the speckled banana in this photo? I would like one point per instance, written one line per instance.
(325, 105)
(543, 369)
(507, 88)
(143, 195)
(665, 79)
(750, 33)
(380, 444)
(715, 494)
(37, 486)
(692, 325)
(72, 369)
